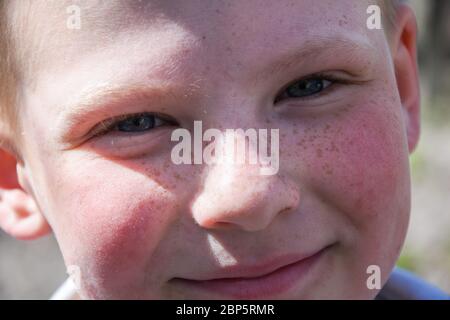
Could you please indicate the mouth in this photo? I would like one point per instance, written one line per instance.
(266, 280)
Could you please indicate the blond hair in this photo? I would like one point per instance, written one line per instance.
(12, 64)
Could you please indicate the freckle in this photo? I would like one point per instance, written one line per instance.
(177, 176)
(327, 169)
(359, 203)
(333, 147)
(319, 153)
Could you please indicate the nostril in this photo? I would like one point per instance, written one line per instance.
(211, 223)
(224, 225)
(286, 210)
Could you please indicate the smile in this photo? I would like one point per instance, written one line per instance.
(261, 281)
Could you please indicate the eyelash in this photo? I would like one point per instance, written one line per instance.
(108, 125)
(318, 76)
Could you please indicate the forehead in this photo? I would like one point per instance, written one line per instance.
(247, 26)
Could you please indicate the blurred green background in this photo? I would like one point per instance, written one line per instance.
(33, 270)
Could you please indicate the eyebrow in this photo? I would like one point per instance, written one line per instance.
(351, 47)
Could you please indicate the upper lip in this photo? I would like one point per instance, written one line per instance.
(258, 270)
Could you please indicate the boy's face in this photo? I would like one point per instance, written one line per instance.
(139, 226)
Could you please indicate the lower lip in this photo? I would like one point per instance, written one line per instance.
(270, 285)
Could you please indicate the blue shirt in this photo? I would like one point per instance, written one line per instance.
(403, 285)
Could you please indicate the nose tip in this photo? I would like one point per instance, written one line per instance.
(238, 197)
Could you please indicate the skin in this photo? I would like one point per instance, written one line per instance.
(133, 221)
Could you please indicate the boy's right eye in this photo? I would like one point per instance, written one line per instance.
(133, 124)
(137, 123)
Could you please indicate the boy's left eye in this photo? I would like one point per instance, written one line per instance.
(305, 88)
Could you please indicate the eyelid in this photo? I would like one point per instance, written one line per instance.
(107, 125)
(328, 76)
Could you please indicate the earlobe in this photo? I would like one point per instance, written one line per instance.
(19, 215)
(406, 72)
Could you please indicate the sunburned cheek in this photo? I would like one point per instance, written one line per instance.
(113, 226)
(358, 160)
(357, 165)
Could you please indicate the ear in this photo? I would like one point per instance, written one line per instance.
(19, 214)
(404, 46)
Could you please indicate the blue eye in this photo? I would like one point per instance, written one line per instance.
(131, 123)
(136, 123)
(305, 88)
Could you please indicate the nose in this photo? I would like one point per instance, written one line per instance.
(238, 196)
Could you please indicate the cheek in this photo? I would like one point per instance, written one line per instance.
(364, 160)
(360, 149)
(110, 220)
(357, 163)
